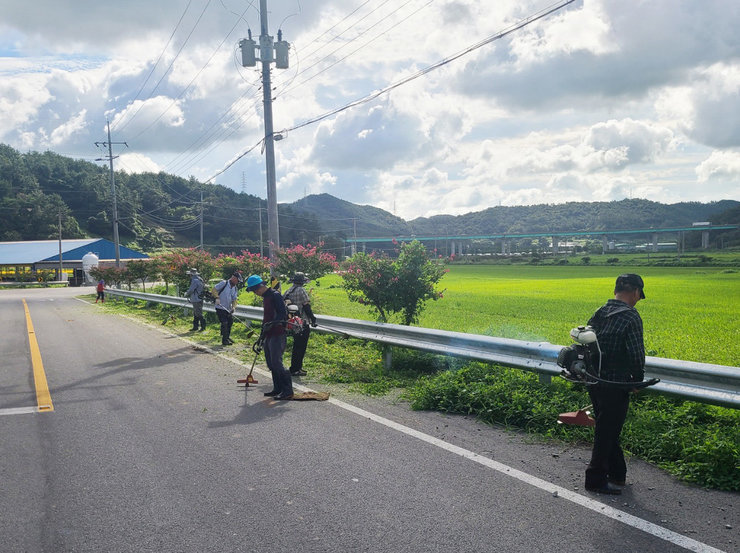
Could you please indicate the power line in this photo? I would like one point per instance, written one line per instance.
(154, 67)
(194, 78)
(220, 136)
(517, 26)
(356, 37)
(520, 25)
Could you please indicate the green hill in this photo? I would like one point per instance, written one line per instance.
(158, 210)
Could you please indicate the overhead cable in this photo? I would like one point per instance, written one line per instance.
(154, 67)
(520, 25)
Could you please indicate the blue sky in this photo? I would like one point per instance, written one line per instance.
(599, 101)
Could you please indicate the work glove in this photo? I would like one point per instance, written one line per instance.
(218, 301)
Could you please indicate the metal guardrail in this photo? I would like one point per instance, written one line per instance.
(705, 382)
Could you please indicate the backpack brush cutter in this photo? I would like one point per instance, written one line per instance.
(579, 366)
(577, 361)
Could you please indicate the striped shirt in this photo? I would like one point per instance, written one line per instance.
(297, 295)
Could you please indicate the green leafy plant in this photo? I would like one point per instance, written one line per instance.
(391, 286)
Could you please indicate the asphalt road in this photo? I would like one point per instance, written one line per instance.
(152, 447)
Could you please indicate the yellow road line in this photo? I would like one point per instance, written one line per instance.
(43, 397)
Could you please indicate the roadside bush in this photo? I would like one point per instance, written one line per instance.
(390, 286)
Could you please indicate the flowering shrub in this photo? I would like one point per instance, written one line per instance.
(175, 264)
(247, 264)
(390, 286)
(306, 259)
(113, 276)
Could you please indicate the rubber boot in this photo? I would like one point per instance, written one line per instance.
(195, 324)
(202, 324)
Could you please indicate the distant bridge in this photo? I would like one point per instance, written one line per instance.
(555, 236)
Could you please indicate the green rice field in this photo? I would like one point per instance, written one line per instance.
(689, 313)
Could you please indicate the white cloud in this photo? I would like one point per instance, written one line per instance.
(721, 166)
(63, 132)
(600, 100)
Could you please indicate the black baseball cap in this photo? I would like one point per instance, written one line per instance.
(630, 281)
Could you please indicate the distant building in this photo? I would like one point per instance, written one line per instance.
(17, 258)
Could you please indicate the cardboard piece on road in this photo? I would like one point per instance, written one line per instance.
(306, 396)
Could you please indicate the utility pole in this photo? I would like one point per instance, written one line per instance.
(259, 210)
(60, 246)
(201, 218)
(110, 159)
(269, 52)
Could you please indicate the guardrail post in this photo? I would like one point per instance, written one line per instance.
(387, 357)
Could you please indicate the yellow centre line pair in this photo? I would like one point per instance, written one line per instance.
(43, 397)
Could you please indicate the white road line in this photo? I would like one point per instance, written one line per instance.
(583, 501)
(569, 495)
(19, 410)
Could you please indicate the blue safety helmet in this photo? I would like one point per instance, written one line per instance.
(253, 282)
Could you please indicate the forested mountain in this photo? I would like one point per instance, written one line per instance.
(154, 210)
(345, 218)
(573, 216)
(160, 210)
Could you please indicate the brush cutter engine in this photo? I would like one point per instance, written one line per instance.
(581, 362)
(294, 325)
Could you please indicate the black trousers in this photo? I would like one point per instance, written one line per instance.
(607, 459)
(300, 343)
(226, 319)
(274, 347)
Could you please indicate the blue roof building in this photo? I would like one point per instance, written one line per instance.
(35, 255)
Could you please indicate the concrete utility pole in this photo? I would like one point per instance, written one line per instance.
(201, 218)
(269, 52)
(110, 159)
(61, 266)
(259, 210)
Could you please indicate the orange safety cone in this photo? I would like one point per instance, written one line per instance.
(579, 418)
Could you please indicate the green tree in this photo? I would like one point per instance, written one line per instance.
(140, 269)
(113, 276)
(401, 286)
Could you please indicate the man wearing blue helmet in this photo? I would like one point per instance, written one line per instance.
(273, 335)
